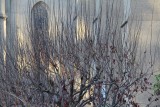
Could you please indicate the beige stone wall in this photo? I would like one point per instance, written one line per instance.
(147, 11)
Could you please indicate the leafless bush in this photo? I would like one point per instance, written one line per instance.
(84, 59)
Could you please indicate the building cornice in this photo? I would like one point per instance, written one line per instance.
(3, 16)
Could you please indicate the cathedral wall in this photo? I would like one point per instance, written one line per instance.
(148, 12)
(145, 11)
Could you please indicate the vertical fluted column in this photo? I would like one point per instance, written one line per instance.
(127, 12)
(11, 40)
(125, 34)
(2, 32)
(2, 42)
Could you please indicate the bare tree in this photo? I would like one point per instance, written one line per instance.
(76, 58)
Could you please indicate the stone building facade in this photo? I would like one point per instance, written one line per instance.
(14, 18)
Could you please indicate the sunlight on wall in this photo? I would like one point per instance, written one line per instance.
(81, 29)
(20, 38)
(4, 56)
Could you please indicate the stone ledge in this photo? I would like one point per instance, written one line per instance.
(3, 16)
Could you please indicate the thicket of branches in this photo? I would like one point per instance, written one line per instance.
(84, 59)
